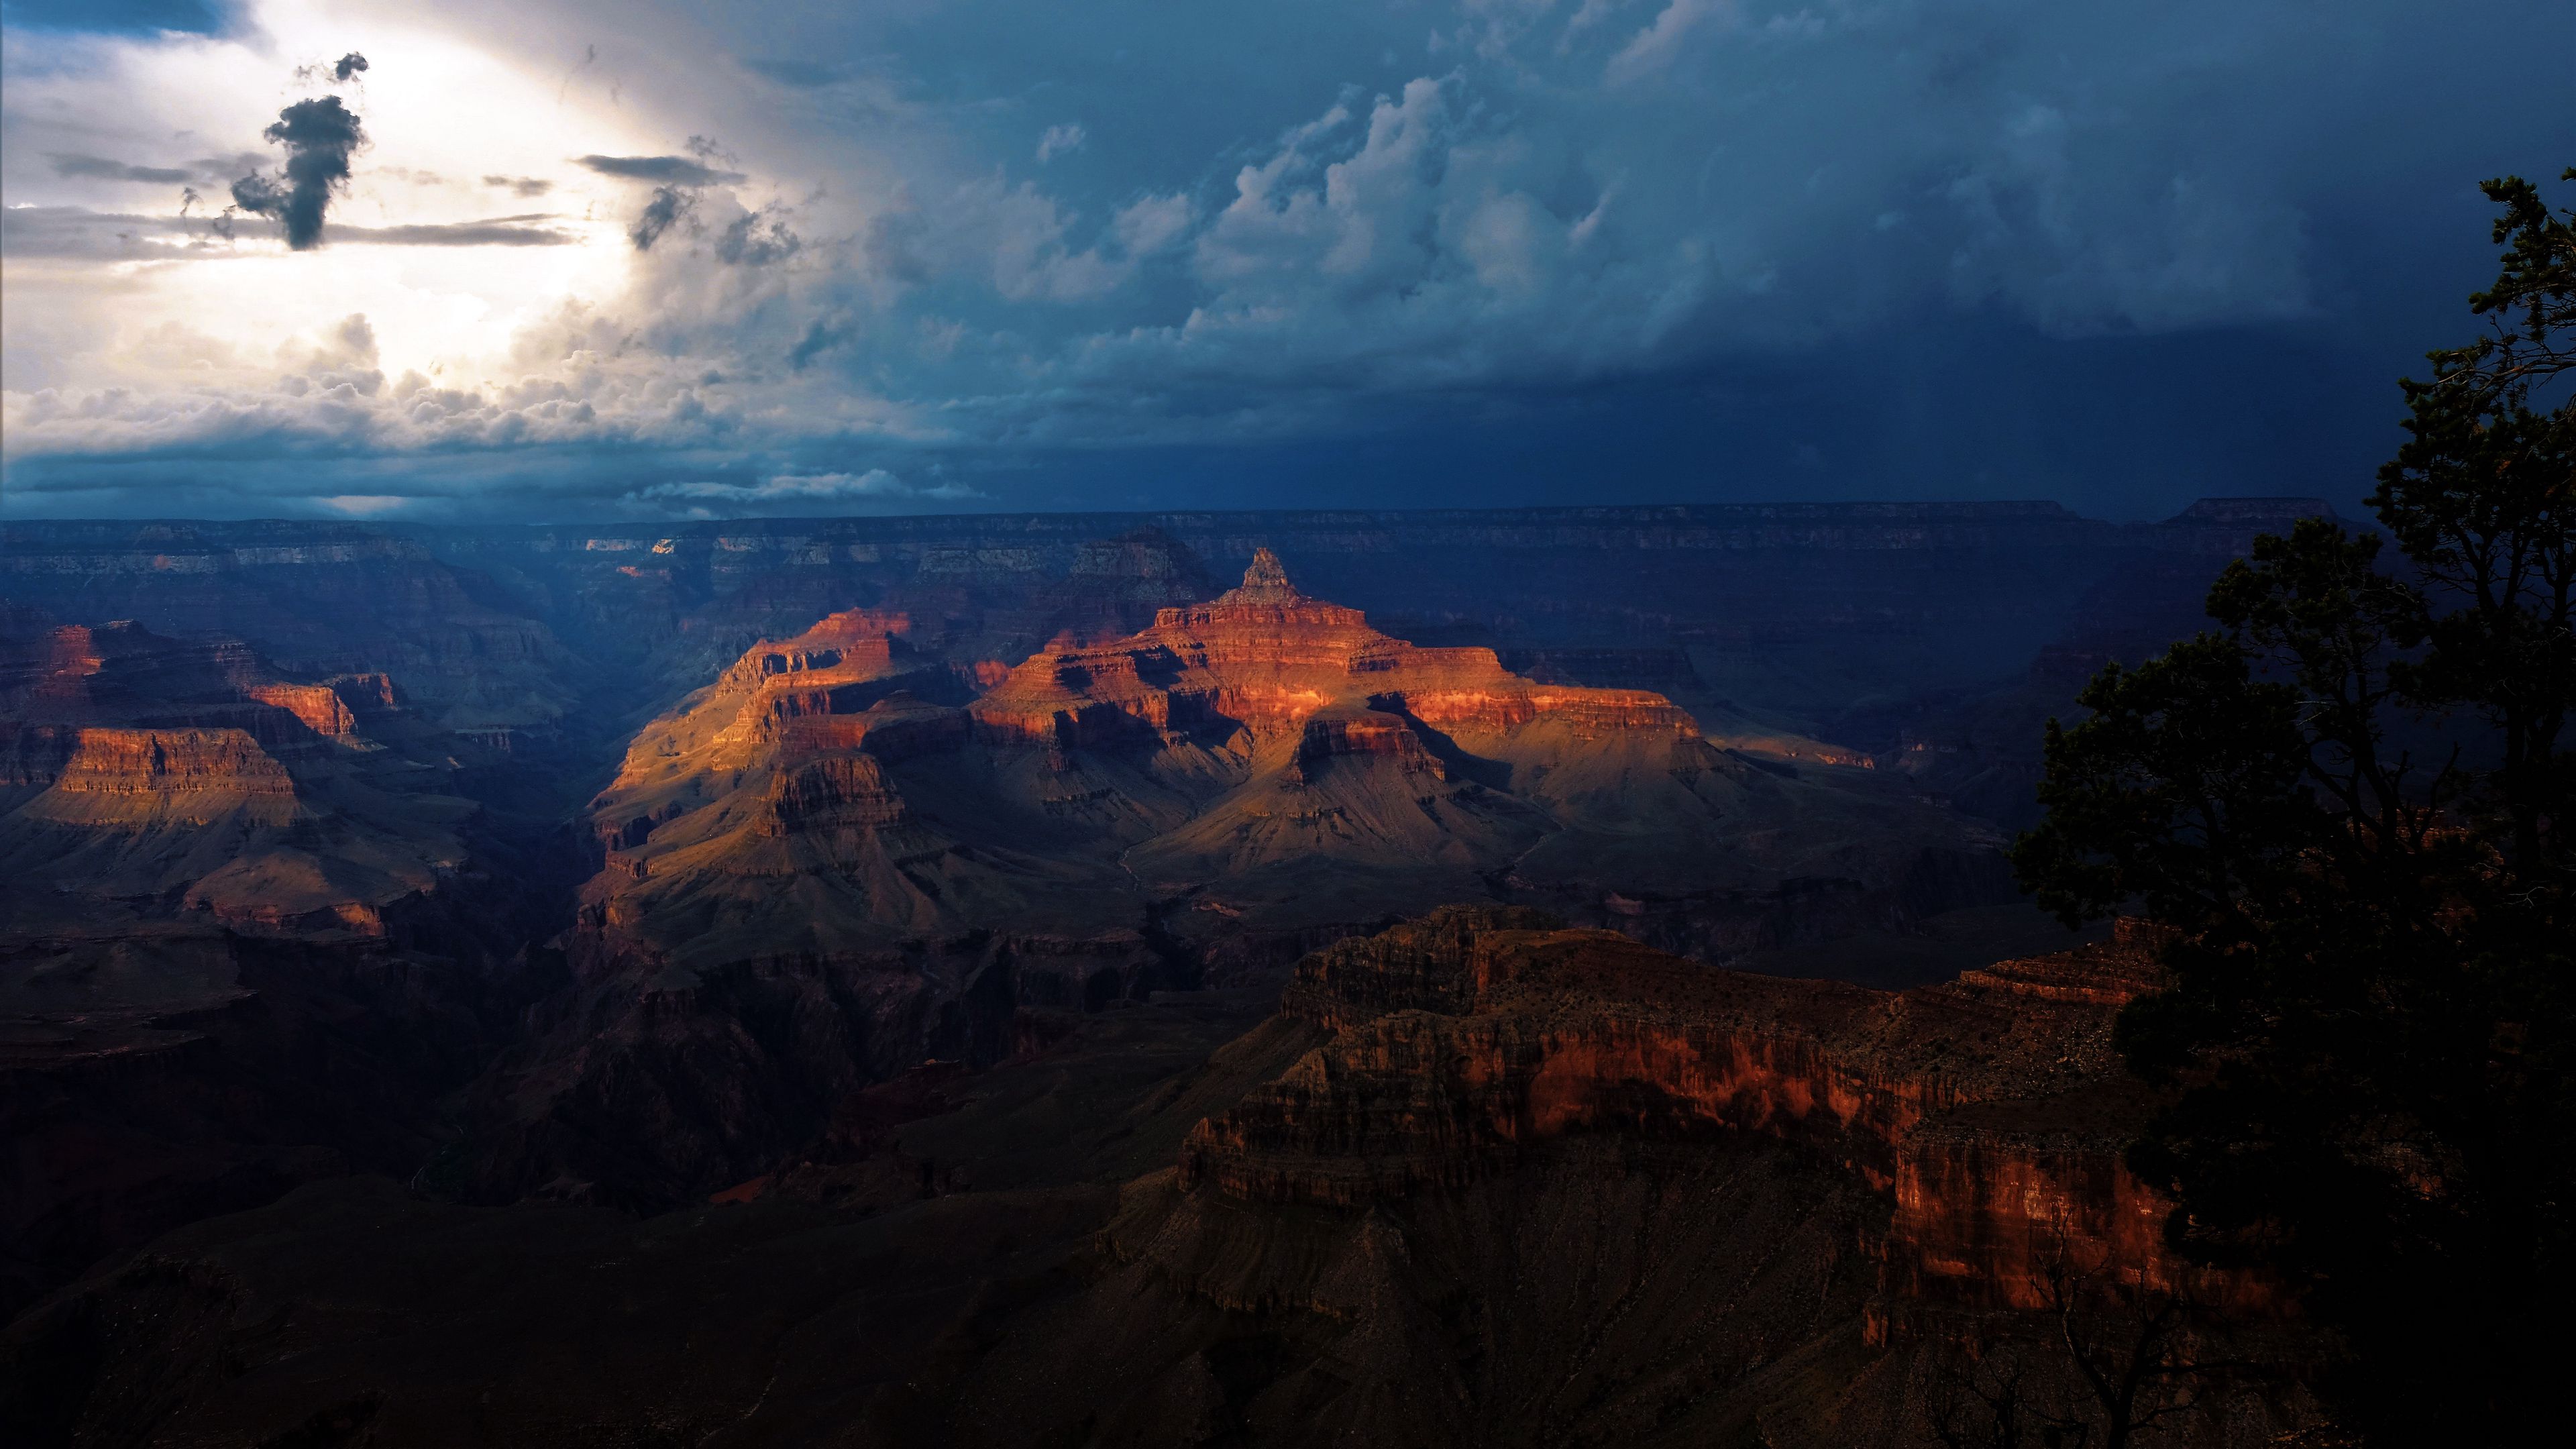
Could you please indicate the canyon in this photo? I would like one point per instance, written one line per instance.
(1201, 996)
(1478, 1179)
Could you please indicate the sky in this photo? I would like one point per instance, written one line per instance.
(544, 260)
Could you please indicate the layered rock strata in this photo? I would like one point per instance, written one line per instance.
(1546, 1186)
(1988, 1112)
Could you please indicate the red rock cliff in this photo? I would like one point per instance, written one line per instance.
(1989, 1111)
(1266, 656)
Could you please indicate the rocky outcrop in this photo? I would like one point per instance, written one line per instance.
(839, 791)
(190, 777)
(1263, 657)
(1988, 1112)
(1362, 733)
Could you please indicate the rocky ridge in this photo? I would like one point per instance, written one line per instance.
(1989, 1112)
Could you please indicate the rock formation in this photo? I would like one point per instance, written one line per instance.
(248, 923)
(1545, 1186)
(831, 862)
(1990, 1111)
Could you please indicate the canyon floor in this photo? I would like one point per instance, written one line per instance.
(1538, 977)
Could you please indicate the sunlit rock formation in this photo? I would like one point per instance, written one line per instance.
(838, 859)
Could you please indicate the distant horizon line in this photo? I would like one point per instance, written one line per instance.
(2261, 505)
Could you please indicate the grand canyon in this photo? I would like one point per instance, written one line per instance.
(1531, 976)
(1479, 724)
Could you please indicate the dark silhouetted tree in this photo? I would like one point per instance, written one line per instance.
(2351, 801)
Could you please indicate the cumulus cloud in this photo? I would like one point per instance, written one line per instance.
(319, 136)
(1058, 140)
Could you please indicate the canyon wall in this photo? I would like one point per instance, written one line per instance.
(1989, 1111)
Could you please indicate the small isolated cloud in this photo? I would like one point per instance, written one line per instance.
(319, 137)
(100, 168)
(876, 484)
(332, 72)
(520, 185)
(1058, 140)
(664, 170)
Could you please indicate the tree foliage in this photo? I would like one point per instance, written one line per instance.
(2351, 802)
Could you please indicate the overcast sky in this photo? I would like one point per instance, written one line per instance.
(541, 259)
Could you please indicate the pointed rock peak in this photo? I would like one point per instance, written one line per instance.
(1266, 576)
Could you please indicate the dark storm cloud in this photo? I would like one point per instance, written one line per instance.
(670, 207)
(100, 168)
(667, 170)
(319, 135)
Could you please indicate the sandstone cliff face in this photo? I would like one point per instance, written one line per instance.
(1543, 1186)
(1989, 1112)
(197, 774)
